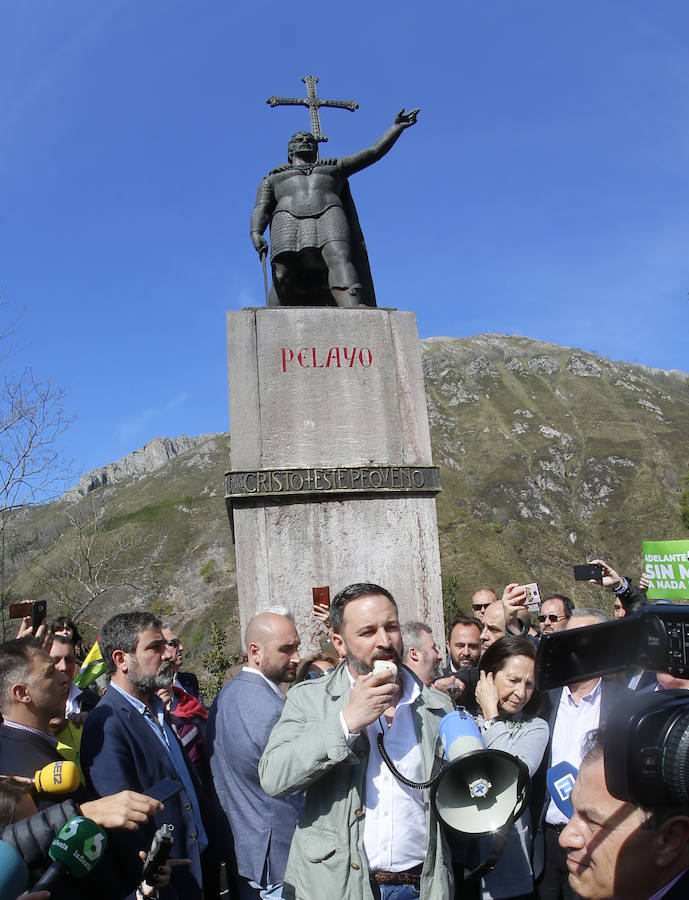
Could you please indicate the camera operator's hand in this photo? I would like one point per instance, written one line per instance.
(124, 810)
(371, 695)
(513, 599)
(610, 577)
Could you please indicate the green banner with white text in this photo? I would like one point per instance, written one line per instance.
(666, 564)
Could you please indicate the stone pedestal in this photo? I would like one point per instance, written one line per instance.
(332, 479)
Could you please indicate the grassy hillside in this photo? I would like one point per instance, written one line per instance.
(547, 454)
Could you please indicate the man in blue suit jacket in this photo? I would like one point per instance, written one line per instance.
(241, 719)
(127, 743)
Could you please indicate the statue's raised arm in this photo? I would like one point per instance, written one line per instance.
(358, 161)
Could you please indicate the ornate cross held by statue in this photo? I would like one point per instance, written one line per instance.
(314, 103)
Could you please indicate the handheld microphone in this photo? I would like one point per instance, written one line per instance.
(61, 777)
(76, 849)
(14, 873)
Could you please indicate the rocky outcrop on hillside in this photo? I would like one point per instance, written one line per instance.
(551, 453)
(141, 462)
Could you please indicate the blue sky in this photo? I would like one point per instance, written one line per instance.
(544, 191)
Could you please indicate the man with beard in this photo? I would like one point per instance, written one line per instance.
(363, 833)
(128, 743)
(464, 643)
(421, 653)
(242, 716)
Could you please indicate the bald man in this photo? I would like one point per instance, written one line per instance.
(259, 827)
(493, 625)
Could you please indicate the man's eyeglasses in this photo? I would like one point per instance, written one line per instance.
(175, 642)
(477, 607)
(551, 618)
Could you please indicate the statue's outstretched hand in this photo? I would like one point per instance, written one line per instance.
(407, 119)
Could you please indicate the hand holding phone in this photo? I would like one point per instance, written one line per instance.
(321, 604)
(589, 572)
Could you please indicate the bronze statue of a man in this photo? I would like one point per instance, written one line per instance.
(314, 229)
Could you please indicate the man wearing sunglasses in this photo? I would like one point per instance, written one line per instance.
(186, 681)
(481, 599)
(555, 612)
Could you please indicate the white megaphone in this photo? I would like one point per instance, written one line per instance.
(480, 791)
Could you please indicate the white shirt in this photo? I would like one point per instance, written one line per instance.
(258, 672)
(395, 831)
(572, 723)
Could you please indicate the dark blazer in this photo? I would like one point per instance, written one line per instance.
(119, 750)
(189, 682)
(23, 752)
(611, 693)
(240, 722)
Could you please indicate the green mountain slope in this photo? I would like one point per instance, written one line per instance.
(547, 454)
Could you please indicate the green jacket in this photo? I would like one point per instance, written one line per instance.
(307, 751)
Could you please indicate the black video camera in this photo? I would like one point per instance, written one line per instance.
(647, 736)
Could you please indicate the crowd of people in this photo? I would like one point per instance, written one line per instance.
(311, 778)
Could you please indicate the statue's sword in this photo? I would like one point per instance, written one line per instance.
(265, 274)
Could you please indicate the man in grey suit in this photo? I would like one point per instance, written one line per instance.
(241, 719)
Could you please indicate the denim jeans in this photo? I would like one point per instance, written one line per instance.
(398, 892)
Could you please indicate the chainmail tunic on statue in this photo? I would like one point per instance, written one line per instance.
(291, 234)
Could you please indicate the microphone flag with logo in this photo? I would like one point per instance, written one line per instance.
(76, 849)
(560, 780)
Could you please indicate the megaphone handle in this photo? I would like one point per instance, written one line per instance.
(419, 785)
(500, 838)
(496, 848)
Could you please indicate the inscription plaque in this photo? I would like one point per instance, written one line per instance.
(318, 480)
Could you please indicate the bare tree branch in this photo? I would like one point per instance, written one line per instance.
(32, 421)
(85, 564)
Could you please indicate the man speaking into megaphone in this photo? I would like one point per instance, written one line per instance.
(363, 833)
